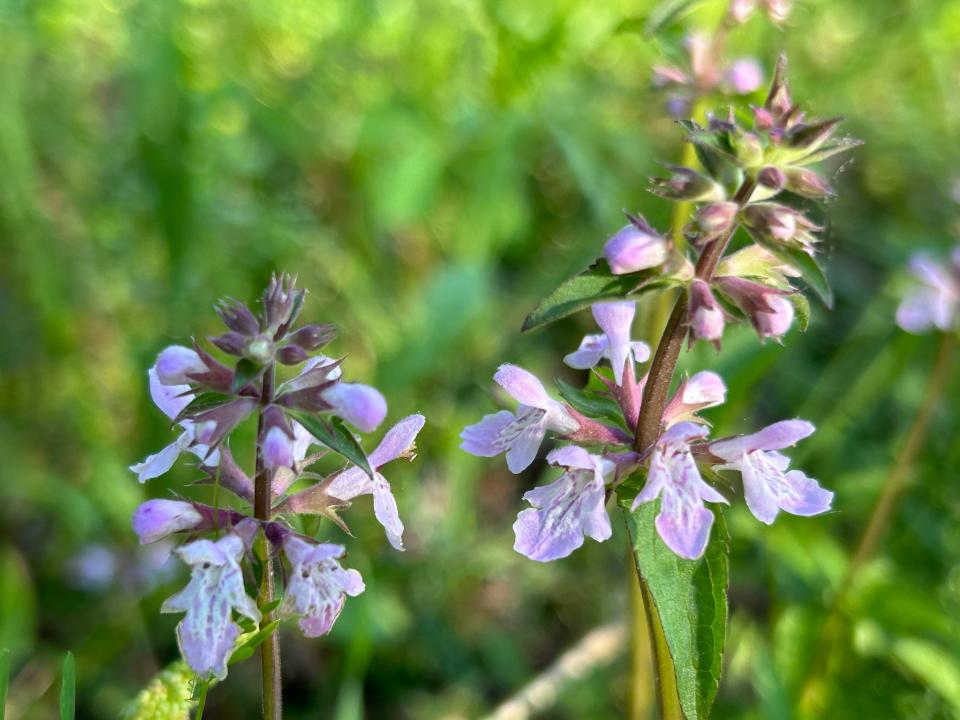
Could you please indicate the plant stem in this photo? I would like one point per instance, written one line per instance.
(812, 695)
(642, 667)
(668, 350)
(271, 698)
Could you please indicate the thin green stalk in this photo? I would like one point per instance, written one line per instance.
(642, 681)
(201, 701)
(812, 696)
(272, 703)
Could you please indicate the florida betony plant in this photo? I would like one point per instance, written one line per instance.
(639, 436)
(300, 417)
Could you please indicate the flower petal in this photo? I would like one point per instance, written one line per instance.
(397, 441)
(385, 509)
(484, 439)
(159, 463)
(616, 320)
(524, 447)
(349, 484)
(684, 528)
(362, 406)
(590, 352)
(155, 519)
(777, 436)
(571, 456)
(318, 585)
(523, 386)
(175, 363)
(171, 399)
(805, 497)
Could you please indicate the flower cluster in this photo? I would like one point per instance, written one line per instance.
(208, 399)
(935, 303)
(625, 426)
(574, 506)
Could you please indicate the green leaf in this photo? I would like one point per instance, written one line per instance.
(4, 679)
(201, 403)
(253, 642)
(241, 654)
(689, 598)
(68, 688)
(801, 308)
(809, 269)
(271, 606)
(590, 403)
(246, 372)
(333, 434)
(594, 284)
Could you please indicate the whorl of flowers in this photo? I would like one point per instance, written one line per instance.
(207, 399)
(623, 425)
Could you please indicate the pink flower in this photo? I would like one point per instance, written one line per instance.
(705, 314)
(744, 76)
(155, 519)
(567, 510)
(352, 482)
(635, 247)
(936, 303)
(207, 633)
(318, 585)
(520, 435)
(615, 319)
(683, 522)
(767, 484)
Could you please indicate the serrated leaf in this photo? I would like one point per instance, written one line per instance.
(201, 403)
(591, 404)
(245, 373)
(333, 434)
(689, 598)
(4, 679)
(594, 284)
(68, 688)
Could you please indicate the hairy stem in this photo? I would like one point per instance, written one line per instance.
(272, 703)
(668, 350)
(811, 698)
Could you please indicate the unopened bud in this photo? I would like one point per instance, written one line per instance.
(810, 137)
(687, 184)
(807, 183)
(635, 247)
(237, 317)
(769, 310)
(770, 220)
(772, 178)
(744, 76)
(313, 337)
(155, 519)
(291, 355)
(716, 218)
(232, 343)
(705, 314)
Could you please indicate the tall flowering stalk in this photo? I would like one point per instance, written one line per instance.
(312, 407)
(640, 436)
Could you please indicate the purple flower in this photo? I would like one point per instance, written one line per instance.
(767, 484)
(768, 309)
(155, 519)
(398, 442)
(744, 76)
(278, 449)
(937, 301)
(520, 435)
(566, 510)
(171, 399)
(635, 247)
(207, 633)
(683, 522)
(176, 363)
(318, 585)
(615, 319)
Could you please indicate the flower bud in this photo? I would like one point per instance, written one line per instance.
(277, 449)
(291, 355)
(778, 102)
(281, 304)
(664, 75)
(686, 184)
(360, 405)
(232, 343)
(635, 247)
(211, 426)
(748, 148)
(176, 363)
(744, 76)
(770, 312)
(716, 218)
(807, 183)
(155, 519)
(705, 314)
(313, 337)
(772, 178)
(809, 137)
(237, 317)
(770, 221)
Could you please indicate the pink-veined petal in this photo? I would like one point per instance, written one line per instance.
(524, 447)
(398, 440)
(616, 320)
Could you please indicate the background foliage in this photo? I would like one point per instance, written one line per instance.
(431, 168)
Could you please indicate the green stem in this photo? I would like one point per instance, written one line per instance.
(271, 698)
(812, 697)
(642, 669)
(201, 701)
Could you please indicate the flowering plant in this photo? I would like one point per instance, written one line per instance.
(644, 441)
(208, 400)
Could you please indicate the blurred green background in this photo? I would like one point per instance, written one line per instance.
(430, 169)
